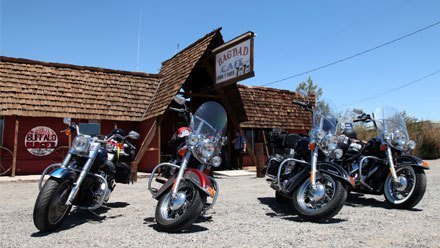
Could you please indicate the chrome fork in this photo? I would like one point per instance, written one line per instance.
(314, 161)
(180, 174)
(392, 166)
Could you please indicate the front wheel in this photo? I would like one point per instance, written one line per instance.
(410, 189)
(321, 203)
(174, 215)
(50, 207)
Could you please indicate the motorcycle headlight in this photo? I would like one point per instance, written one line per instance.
(386, 136)
(411, 145)
(81, 144)
(332, 143)
(193, 140)
(207, 149)
(320, 134)
(216, 161)
(338, 153)
(399, 138)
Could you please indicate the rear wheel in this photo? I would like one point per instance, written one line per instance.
(322, 203)
(174, 215)
(410, 189)
(50, 207)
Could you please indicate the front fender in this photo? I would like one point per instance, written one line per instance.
(63, 173)
(201, 180)
(336, 171)
(412, 161)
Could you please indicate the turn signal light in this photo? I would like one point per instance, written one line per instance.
(424, 163)
(312, 146)
(383, 147)
(181, 152)
(67, 132)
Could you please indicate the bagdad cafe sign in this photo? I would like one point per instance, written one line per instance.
(234, 61)
(41, 141)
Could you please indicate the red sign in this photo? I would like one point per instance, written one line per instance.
(41, 141)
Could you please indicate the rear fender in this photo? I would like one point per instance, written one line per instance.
(201, 180)
(412, 161)
(336, 171)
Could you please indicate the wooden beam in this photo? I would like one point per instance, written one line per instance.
(141, 152)
(201, 95)
(14, 158)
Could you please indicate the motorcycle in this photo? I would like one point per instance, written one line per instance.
(306, 174)
(384, 164)
(182, 197)
(84, 179)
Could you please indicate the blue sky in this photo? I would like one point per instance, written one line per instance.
(292, 37)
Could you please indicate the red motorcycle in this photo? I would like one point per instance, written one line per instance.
(183, 195)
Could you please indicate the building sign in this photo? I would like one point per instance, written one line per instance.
(234, 61)
(41, 141)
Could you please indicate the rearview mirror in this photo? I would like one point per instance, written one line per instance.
(133, 135)
(358, 111)
(180, 99)
(67, 120)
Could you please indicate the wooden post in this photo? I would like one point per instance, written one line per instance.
(158, 144)
(259, 151)
(265, 143)
(14, 158)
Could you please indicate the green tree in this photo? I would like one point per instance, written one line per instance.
(308, 87)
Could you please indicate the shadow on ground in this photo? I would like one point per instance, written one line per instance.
(78, 217)
(194, 228)
(287, 212)
(360, 200)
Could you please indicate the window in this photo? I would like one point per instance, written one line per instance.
(92, 128)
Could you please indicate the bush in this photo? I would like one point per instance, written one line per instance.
(427, 139)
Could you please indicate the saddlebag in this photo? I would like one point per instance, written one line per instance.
(123, 173)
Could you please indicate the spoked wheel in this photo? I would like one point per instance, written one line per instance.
(174, 215)
(50, 208)
(409, 189)
(321, 203)
(5, 160)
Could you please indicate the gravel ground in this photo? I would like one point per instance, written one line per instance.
(246, 216)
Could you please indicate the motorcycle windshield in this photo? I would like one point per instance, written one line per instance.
(325, 117)
(389, 121)
(209, 121)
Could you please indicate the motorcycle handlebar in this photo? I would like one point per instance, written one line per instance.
(177, 110)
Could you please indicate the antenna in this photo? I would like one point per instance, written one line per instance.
(139, 39)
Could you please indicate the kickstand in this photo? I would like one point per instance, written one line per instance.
(96, 215)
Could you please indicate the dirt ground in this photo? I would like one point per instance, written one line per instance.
(246, 216)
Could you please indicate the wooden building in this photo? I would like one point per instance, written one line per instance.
(36, 96)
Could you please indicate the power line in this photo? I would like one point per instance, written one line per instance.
(392, 90)
(354, 55)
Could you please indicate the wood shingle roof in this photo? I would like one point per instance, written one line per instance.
(176, 71)
(34, 88)
(270, 108)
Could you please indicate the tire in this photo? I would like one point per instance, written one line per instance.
(50, 210)
(187, 214)
(413, 191)
(332, 202)
(281, 199)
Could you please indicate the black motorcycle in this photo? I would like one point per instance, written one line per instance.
(305, 172)
(85, 178)
(384, 164)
